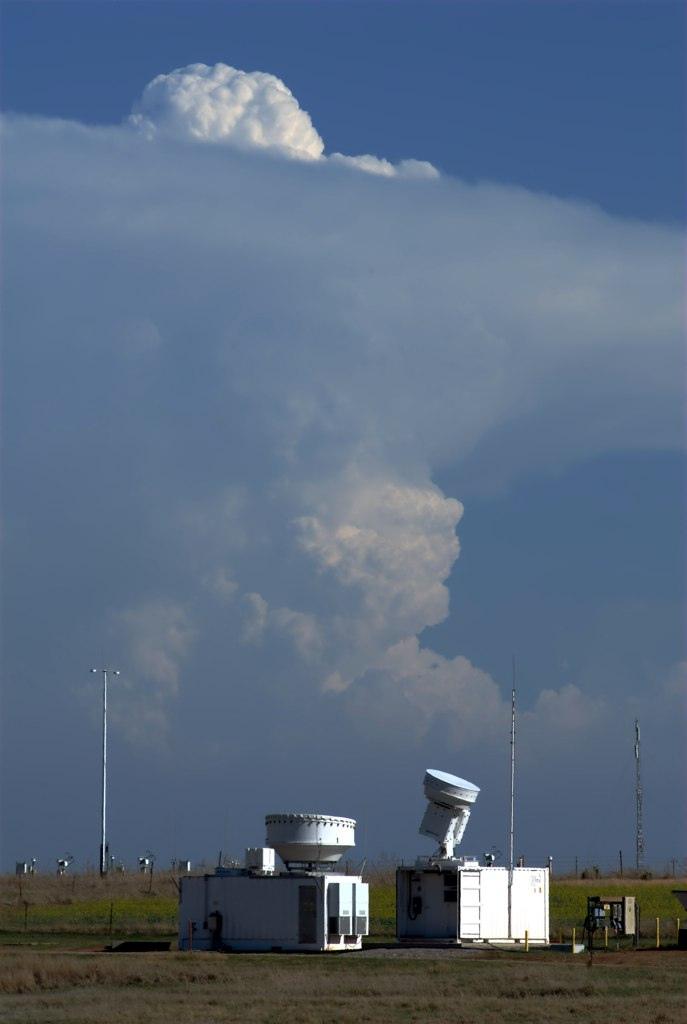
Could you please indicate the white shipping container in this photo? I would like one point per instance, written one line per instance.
(287, 911)
(470, 904)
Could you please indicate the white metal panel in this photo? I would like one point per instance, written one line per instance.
(260, 908)
(494, 903)
(439, 917)
(426, 904)
(260, 858)
(340, 907)
(361, 908)
(470, 904)
(193, 931)
(482, 911)
(437, 821)
(263, 912)
(530, 904)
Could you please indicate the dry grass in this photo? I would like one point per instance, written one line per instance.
(129, 904)
(45, 889)
(70, 987)
(645, 988)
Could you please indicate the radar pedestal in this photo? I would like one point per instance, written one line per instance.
(449, 801)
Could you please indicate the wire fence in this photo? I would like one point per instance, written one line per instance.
(589, 867)
(583, 867)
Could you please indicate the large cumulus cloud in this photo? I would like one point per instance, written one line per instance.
(223, 104)
(235, 376)
(246, 109)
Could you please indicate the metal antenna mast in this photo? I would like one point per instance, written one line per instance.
(511, 834)
(511, 831)
(639, 832)
(103, 818)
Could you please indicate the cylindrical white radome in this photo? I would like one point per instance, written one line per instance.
(310, 838)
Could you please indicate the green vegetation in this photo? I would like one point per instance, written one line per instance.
(147, 915)
(568, 902)
(51, 972)
(382, 911)
(567, 905)
(130, 905)
(87, 905)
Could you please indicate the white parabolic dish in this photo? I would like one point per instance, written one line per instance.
(449, 802)
(310, 838)
(449, 790)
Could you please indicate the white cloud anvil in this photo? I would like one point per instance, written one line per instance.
(266, 354)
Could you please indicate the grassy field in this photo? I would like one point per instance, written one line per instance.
(53, 970)
(86, 904)
(568, 904)
(122, 905)
(489, 988)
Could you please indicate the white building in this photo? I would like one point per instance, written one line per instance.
(308, 907)
(468, 902)
(452, 900)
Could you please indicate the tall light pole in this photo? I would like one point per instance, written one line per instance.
(103, 819)
(511, 830)
(639, 828)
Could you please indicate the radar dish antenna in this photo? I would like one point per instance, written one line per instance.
(449, 802)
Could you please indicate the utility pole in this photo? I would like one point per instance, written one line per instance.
(639, 829)
(103, 819)
(511, 831)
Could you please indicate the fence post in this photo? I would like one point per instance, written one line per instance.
(658, 933)
(527, 941)
(573, 940)
(606, 937)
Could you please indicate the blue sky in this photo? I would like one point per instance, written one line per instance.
(221, 366)
(580, 99)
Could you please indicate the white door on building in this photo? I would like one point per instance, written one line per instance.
(470, 899)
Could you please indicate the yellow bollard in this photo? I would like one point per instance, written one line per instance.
(606, 937)
(527, 941)
(573, 941)
(658, 933)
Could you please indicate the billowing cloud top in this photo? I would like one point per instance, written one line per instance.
(222, 104)
(246, 109)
